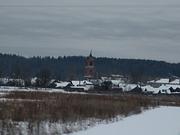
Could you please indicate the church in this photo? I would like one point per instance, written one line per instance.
(89, 67)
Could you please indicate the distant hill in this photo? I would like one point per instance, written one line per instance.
(72, 67)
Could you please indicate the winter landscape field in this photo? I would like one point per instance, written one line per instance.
(48, 111)
(89, 67)
(38, 112)
(159, 121)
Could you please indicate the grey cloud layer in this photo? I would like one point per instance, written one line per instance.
(115, 28)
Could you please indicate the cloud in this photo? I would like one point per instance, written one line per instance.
(127, 29)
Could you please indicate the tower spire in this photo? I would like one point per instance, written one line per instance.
(89, 67)
(90, 53)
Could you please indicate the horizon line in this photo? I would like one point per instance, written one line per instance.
(28, 57)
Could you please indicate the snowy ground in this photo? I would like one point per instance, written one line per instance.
(159, 121)
(6, 89)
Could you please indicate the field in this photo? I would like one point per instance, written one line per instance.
(37, 112)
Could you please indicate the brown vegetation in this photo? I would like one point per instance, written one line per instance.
(69, 107)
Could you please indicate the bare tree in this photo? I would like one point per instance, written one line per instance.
(137, 77)
(44, 77)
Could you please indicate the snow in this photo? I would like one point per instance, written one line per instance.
(84, 82)
(33, 80)
(176, 81)
(6, 89)
(4, 80)
(164, 88)
(155, 90)
(127, 87)
(116, 82)
(62, 84)
(47, 127)
(163, 80)
(159, 121)
(86, 85)
(20, 100)
(150, 89)
(160, 81)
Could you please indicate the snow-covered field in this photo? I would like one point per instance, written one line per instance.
(159, 121)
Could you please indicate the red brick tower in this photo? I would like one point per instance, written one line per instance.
(89, 67)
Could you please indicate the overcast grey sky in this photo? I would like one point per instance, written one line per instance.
(146, 29)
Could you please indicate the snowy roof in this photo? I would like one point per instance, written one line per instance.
(62, 84)
(84, 82)
(118, 76)
(163, 80)
(176, 81)
(33, 80)
(4, 80)
(162, 87)
(128, 87)
(86, 85)
(116, 82)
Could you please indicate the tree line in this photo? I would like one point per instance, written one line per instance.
(72, 67)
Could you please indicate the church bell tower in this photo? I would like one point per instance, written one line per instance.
(89, 67)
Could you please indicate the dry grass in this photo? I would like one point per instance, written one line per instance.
(69, 107)
(167, 100)
(72, 111)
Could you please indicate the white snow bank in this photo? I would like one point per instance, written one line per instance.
(22, 89)
(159, 121)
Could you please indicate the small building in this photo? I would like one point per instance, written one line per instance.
(84, 85)
(63, 85)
